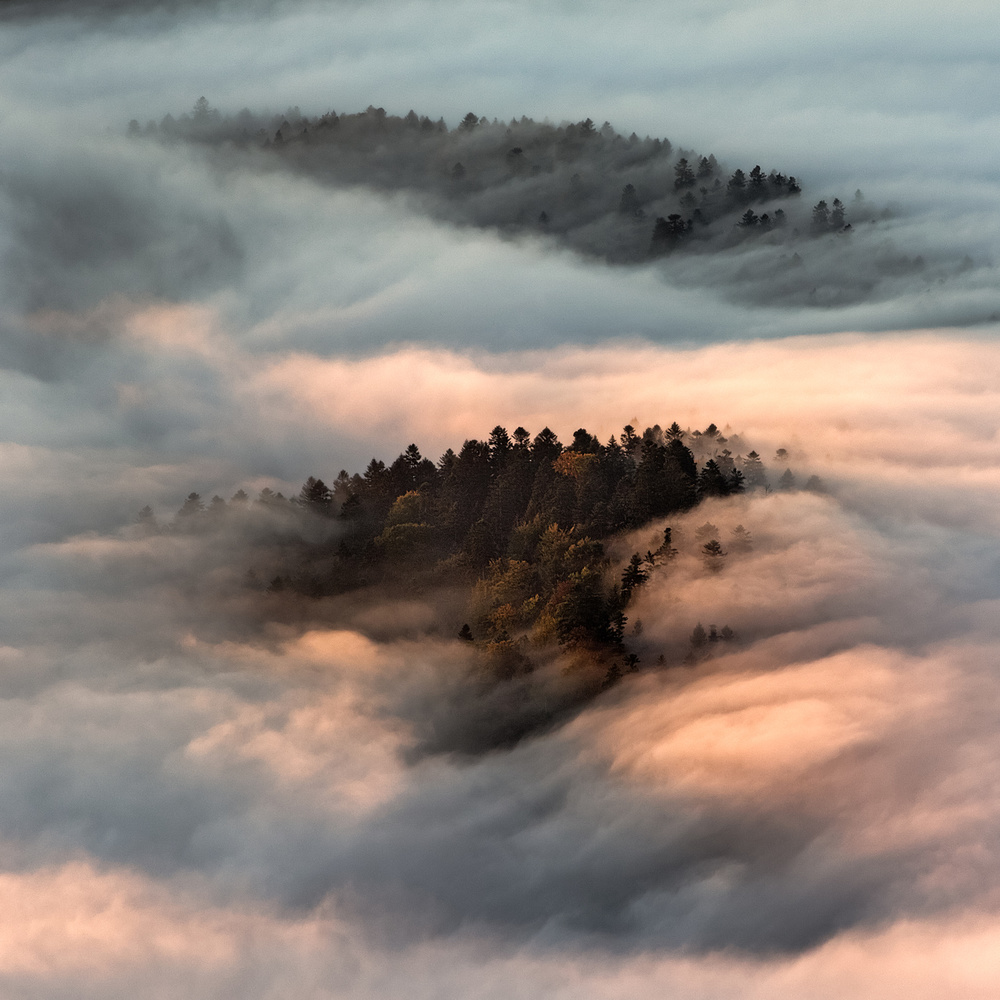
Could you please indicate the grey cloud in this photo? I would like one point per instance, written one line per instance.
(120, 13)
(80, 235)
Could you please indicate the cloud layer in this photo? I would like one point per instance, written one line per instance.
(823, 789)
(218, 792)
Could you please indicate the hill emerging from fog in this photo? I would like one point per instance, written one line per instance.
(753, 232)
(520, 545)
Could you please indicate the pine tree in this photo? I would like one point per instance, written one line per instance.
(740, 540)
(192, 506)
(837, 215)
(316, 496)
(713, 555)
(633, 576)
(683, 175)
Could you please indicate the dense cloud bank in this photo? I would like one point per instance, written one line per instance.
(193, 756)
(291, 265)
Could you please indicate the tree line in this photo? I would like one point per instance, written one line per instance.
(520, 521)
(622, 198)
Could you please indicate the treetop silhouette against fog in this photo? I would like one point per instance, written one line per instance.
(625, 200)
(521, 531)
(745, 232)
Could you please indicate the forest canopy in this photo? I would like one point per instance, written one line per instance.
(622, 198)
(525, 534)
(751, 232)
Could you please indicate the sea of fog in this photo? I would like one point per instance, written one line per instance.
(199, 798)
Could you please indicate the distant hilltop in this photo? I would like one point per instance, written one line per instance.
(623, 199)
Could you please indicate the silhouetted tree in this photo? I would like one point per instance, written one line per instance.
(740, 540)
(629, 202)
(316, 496)
(667, 233)
(706, 531)
(753, 470)
(683, 175)
(545, 447)
(633, 576)
(712, 555)
(837, 216)
(192, 505)
(711, 481)
(698, 641)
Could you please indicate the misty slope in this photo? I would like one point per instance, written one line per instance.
(624, 200)
(738, 807)
(524, 539)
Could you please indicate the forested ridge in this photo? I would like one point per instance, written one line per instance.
(624, 199)
(519, 526)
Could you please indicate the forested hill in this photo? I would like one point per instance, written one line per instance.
(624, 199)
(515, 528)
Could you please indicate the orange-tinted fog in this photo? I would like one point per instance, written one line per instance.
(806, 805)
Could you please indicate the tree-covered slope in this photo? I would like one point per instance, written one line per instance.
(525, 549)
(623, 199)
